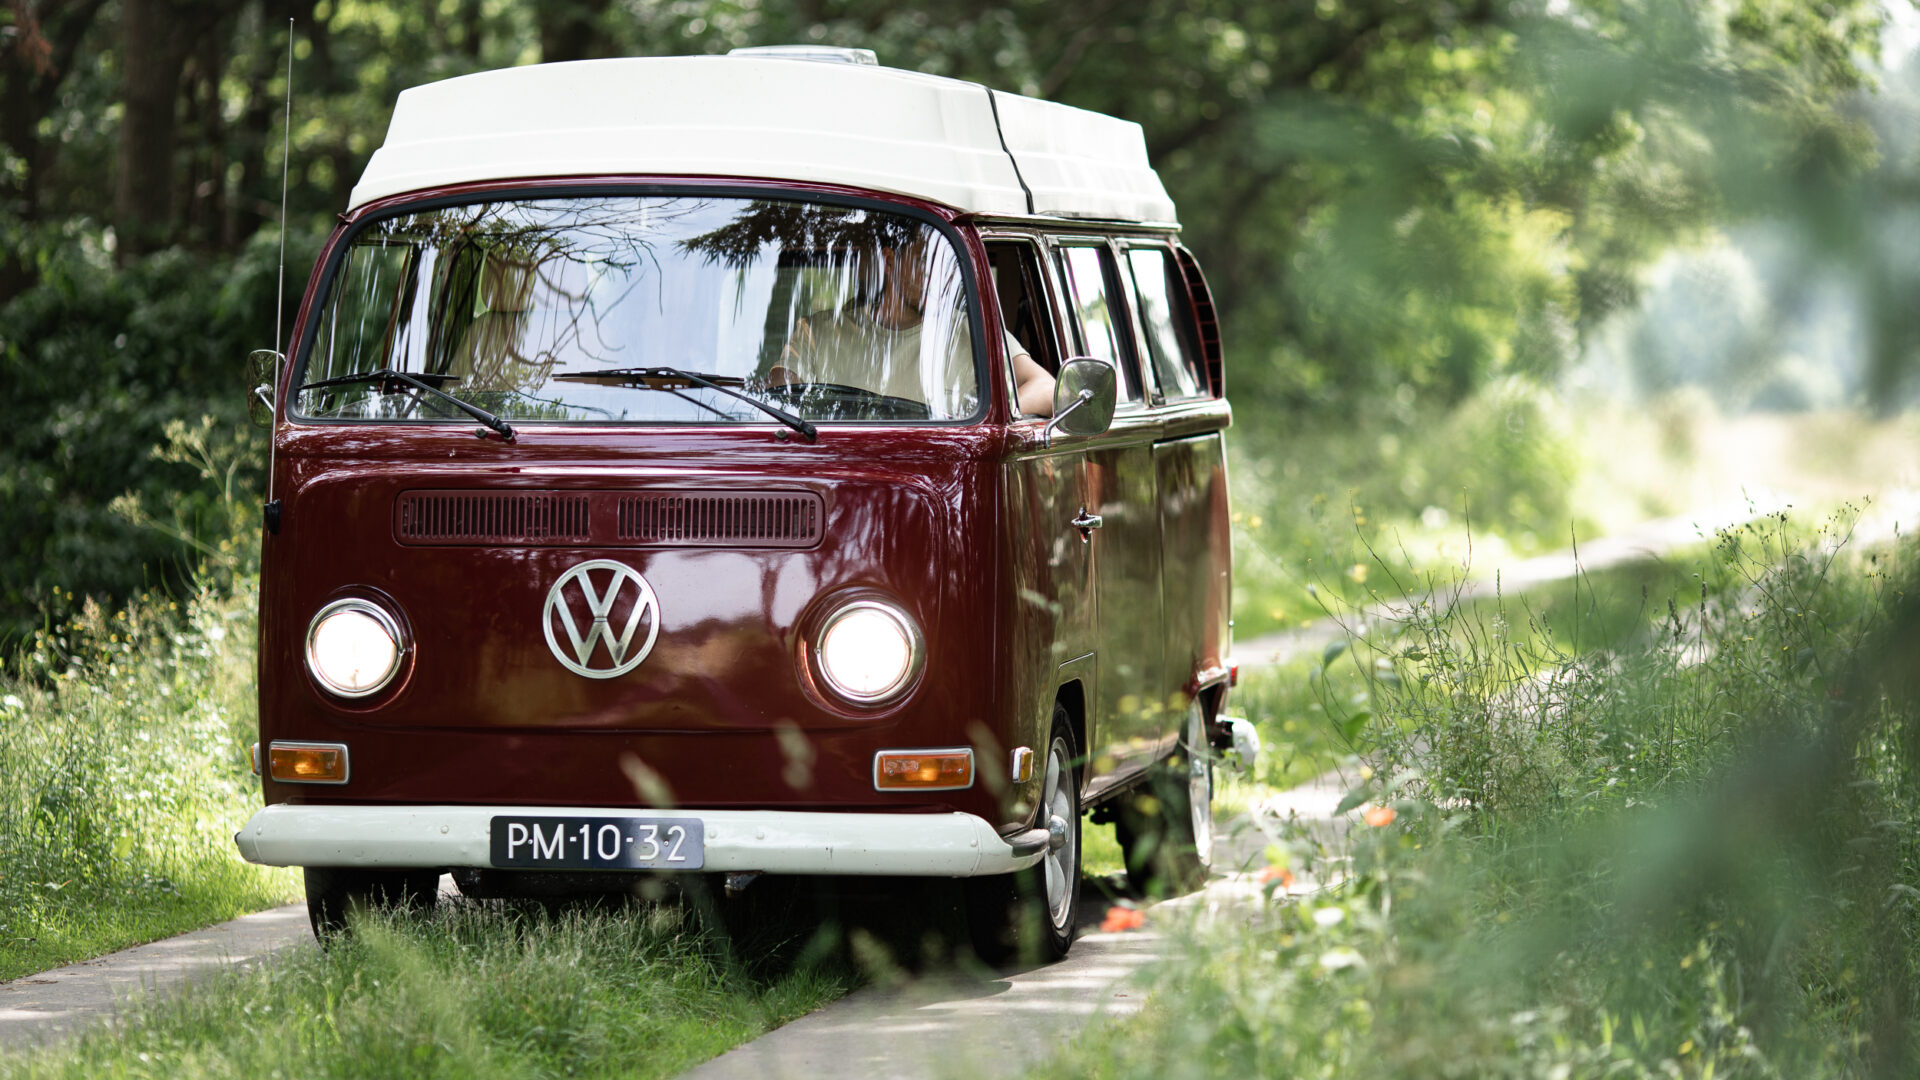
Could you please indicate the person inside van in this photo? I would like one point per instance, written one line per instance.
(859, 343)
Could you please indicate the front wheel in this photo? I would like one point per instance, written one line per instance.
(1165, 826)
(332, 892)
(1029, 915)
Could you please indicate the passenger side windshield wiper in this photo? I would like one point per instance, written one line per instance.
(419, 383)
(666, 378)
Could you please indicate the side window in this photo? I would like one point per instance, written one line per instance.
(1093, 310)
(1024, 306)
(1166, 323)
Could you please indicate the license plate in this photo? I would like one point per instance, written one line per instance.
(598, 843)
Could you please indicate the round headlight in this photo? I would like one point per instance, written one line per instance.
(869, 651)
(353, 648)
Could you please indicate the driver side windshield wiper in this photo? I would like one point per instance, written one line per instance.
(667, 378)
(418, 383)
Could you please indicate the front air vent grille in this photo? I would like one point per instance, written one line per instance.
(506, 517)
(787, 519)
(742, 519)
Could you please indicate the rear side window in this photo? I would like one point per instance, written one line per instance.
(1094, 311)
(1165, 323)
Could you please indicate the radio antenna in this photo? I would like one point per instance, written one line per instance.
(271, 511)
(286, 153)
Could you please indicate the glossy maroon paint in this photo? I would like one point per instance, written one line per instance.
(966, 527)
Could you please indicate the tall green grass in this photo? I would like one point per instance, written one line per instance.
(467, 991)
(1687, 852)
(124, 774)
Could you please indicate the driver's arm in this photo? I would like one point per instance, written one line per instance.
(794, 356)
(1033, 387)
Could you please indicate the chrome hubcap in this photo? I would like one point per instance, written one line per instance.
(1200, 783)
(1063, 855)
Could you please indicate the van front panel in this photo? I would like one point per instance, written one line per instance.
(727, 707)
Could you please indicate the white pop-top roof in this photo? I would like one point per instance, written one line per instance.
(864, 126)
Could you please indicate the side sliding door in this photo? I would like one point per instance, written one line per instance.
(1128, 722)
(1190, 477)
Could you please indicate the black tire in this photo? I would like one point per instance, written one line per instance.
(1165, 825)
(1031, 915)
(333, 892)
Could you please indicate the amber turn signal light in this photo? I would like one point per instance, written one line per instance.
(308, 763)
(923, 770)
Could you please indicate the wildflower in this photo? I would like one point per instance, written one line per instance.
(1275, 873)
(1336, 959)
(11, 702)
(1377, 816)
(1123, 918)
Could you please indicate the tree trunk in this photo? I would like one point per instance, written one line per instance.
(248, 210)
(472, 28)
(570, 30)
(156, 38)
(47, 37)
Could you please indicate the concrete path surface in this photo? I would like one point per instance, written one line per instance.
(951, 1025)
(53, 1004)
(992, 1026)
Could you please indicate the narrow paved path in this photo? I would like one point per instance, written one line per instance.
(994, 1026)
(55, 1003)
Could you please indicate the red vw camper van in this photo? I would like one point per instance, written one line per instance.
(743, 465)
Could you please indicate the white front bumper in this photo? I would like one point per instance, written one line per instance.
(771, 841)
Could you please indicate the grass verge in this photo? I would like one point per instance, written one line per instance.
(123, 776)
(1685, 854)
(469, 990)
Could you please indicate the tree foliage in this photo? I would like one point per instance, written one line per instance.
(1390, 197)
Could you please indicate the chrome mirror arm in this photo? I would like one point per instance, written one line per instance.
(1046, 433)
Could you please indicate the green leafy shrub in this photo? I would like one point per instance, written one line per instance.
(100, 361)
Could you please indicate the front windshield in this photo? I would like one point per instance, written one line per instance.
(558, 309)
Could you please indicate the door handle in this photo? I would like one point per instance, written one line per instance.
(1086, 523)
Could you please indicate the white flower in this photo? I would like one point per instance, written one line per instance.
(1328, 916)
(1335, 959)
(12, 702)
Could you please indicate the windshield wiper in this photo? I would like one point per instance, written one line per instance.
(419, 383)
(667, 378)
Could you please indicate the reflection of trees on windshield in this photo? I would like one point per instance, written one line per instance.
(801, 227)
(498, 299)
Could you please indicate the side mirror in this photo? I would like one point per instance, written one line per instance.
(263, 375)
(1083, 397)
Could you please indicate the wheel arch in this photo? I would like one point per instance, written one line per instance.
(1072, 695)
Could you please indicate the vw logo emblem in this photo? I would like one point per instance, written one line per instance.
(621, 597)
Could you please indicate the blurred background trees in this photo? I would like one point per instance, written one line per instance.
(1402, 206)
